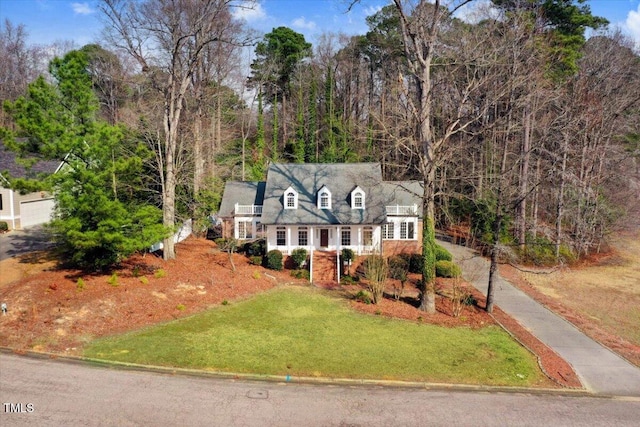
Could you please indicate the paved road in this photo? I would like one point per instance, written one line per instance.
(599, 369)
(18, 242)
(53, 393)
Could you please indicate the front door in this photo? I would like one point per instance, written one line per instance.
(324, 238)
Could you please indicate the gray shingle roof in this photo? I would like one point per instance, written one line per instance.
(340, 179)
(307, 179)
(9, 164)
(242, 193)
(405, 193)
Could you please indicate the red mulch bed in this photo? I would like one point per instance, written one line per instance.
(49, 311)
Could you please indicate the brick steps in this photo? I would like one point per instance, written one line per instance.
(324, 267)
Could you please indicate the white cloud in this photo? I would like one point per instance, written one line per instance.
(476, 11)
(372, 10)
(303, 24)
(632, 25)
(251, 13)
(82, 8)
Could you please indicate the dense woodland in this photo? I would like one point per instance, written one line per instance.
(522, 129)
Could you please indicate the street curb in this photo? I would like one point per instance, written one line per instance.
(285, 379)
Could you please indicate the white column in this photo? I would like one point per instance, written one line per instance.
(338, 242)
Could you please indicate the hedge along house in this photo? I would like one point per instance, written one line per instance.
(325, 208)
(21, 210)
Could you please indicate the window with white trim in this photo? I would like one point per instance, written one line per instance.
(407, 230)
(345, 236)
(367, 236)
(357, 198)
(387, 231)
(281, 236)
(290, 199)
(244, 230)
(303, 236)
(324, 198)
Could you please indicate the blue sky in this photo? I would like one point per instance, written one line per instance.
(48, 21)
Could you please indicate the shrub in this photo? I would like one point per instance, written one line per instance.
(376, 270)
(274, 260)
(256, 248)
(256, 260)
(299, 257)
(442, 254)
(347, 255)
(227, 245)
(160, 273)
(181, 307)
(398, 269)
(4, 226)
(256, 275)
(363, 296)
(414, 262)
(300, 274)
(144, 280)
(348, 280)
(113, 280)
(80, 284)
(447, 269)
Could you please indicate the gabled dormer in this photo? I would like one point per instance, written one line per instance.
(357, 198)
(324, 198)
(290, 198)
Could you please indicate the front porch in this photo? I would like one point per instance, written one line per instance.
(361, 239)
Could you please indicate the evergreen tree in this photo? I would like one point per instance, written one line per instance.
(98, 217)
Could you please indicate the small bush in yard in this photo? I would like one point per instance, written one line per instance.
(144, 280)
(363, 296)
(375, 271)
(347, 255)
(447, 269)
(4, 226)
(159, 274)
(256, 275)
(274, 260)
(300, 274)
(113, 280)
(442, 254)
(398, 270)
(349, 280)
(256, 259)
(414, 262)
(299, 257)
(80, 284)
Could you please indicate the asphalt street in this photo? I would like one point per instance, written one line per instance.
(54, 393)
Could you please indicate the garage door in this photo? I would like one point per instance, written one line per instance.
(35, 212)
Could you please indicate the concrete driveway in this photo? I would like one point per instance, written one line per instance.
(18, 242)
(601, 370)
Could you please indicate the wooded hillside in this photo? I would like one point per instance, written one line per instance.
(523, 129)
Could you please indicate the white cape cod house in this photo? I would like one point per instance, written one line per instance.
(325, 208)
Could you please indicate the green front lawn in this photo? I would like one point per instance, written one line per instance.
(300, 332)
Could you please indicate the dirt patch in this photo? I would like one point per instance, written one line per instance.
(58, 311)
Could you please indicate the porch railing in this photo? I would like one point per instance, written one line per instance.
(402, 210)
(248, 209)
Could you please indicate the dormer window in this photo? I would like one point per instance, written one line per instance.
(324, 198)
(357, 198)
(290, 199)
